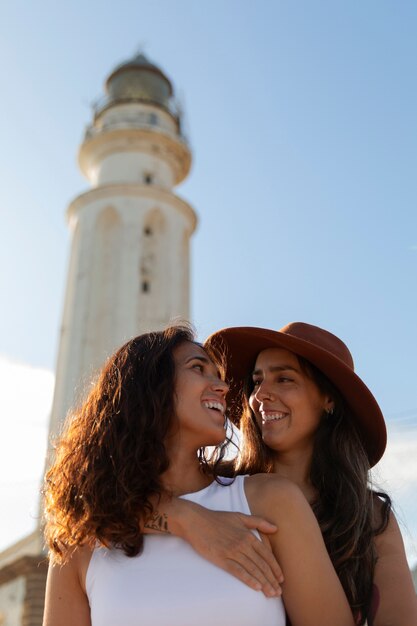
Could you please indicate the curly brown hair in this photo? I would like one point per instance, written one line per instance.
(110, 457)
(350, 514)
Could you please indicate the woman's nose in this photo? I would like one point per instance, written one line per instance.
(220, 386)
(263, 392)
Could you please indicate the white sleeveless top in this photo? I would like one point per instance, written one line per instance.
(169, 584)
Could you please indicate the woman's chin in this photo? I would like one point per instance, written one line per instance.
(272, 440)
(215, 440)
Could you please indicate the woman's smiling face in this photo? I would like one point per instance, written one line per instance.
(286, 402)
(200, 393)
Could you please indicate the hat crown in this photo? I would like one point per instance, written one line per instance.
(320, 338)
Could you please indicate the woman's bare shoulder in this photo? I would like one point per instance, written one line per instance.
(266, 491)
(390, 539)
(271, 481)
(75, 564)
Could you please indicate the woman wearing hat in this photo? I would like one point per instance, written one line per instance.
(305, 415)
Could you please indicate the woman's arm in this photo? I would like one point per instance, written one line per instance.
(223, 538)
(66, 602)
(312, 592)
(397, 597)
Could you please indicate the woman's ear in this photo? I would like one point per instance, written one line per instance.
(329, 406)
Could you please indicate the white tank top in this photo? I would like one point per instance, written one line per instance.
(169, 584)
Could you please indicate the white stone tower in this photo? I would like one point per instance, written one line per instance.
(129, 264)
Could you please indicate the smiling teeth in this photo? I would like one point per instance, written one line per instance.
(273, 417)
(214, 405)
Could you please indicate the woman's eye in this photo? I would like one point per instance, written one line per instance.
(256, 383)
(198, 366)
(284, 379)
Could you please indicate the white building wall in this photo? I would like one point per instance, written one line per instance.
(129, 167)
(112, 256)
(12, 595)
(129, 266)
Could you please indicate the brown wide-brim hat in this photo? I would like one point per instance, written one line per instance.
(240, 346)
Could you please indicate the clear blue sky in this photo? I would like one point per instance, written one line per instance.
(302, 119)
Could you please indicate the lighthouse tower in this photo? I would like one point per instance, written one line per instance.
(128, 270)
(129, 264)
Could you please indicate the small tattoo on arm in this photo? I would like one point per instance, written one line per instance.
(158, 522)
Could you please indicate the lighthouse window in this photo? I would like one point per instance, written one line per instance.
(146, 287)
(148, 179)
(147, 231)
(153, 119)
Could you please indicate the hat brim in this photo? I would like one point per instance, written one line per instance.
(240, 346)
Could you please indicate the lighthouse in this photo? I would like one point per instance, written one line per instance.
(128, 270)
(129, 264)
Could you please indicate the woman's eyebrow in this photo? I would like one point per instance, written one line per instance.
(276, 368)
(196, 357)
(206, 361)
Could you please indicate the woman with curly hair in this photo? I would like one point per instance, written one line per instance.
(305, 415)
(140, 434)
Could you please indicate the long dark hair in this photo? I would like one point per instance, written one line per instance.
(110, 458)
(349, 512)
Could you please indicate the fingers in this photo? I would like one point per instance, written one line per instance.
(264, 566)
(258, 523)
(238, 571)
(257, 564)
(253, 574)
(237, 549)
(254, 580)
(269, 561)
(260, 570)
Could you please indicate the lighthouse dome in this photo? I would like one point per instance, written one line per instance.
(139, 79)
